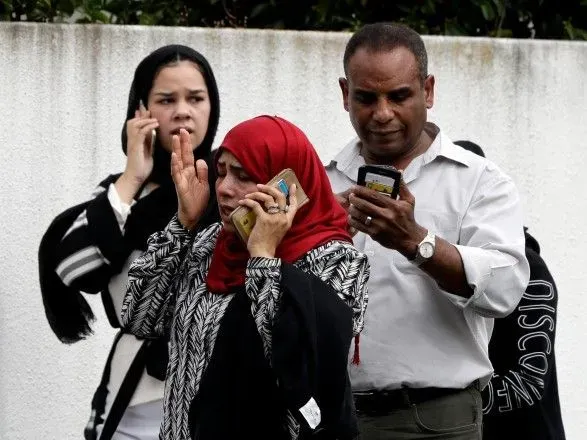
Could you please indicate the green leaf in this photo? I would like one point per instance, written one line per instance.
(147, 19)
(487, 11)
(574, 33)
(259, 9)
(322, 9)
(503, 33)
(429, 8)
(66, 7)
(452, 28)
(500, 5)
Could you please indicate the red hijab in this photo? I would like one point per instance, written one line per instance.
(264, 146)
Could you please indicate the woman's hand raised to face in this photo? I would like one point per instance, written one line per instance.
(139, 154)
(274, 218)
(191, 181)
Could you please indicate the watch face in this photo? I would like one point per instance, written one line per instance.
(426, 250)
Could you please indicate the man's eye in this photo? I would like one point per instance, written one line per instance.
(399, 97)
(364, 99)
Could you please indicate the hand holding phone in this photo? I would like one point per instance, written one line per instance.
(384, 179)
(243, 218)
(140, 142)
(151, 139)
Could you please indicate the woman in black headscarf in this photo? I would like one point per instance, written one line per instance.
(89, 247)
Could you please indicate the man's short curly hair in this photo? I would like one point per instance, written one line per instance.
(379, 37)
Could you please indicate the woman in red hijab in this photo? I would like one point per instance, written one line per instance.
(259, 332)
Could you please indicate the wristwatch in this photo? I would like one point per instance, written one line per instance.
(426, 249)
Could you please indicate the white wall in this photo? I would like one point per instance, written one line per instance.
(63, 92)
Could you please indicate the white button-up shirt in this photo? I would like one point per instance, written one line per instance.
(417, 334)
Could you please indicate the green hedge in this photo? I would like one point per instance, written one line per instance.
(555, 19)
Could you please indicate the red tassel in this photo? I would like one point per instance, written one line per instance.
(356, 356)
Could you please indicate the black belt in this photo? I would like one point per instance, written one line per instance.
(377, 402)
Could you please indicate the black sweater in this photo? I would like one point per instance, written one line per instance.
(521, 400)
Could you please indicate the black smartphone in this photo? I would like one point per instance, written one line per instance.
(382, 178)
(143, 108)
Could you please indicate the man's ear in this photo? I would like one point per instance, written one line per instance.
(429, 91)
(344, 87)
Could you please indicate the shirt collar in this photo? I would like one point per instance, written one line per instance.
(452, 151)
(443, 146)
(349, 159)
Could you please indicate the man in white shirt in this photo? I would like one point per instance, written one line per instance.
(446, 257)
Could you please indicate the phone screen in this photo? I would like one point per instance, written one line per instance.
(282, 186)
(377, 182)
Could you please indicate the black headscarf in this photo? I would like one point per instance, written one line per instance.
(152, 213)
(67, 311)
(141, 86)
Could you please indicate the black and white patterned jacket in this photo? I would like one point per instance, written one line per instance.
(167, 293)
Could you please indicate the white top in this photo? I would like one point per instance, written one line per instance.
(148, 389)
(417, 334)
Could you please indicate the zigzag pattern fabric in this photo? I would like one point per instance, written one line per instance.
(167, 293)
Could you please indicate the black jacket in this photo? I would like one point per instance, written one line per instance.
(311, 341)
(521, 400)
(241, 395)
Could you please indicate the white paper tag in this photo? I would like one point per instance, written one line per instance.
(311, 413)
